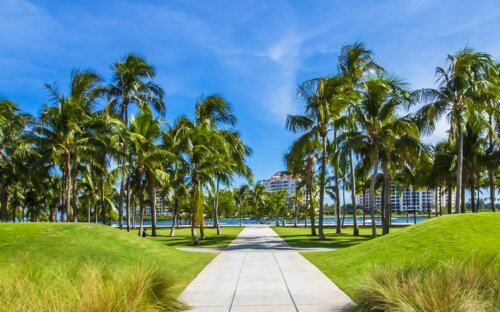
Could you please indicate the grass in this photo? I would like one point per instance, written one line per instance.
(43, 255)
(300, 237)
(452, 237)
(182, 237)
(470, 285)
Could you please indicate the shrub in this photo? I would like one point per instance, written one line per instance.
(93, 287)
(472, 285)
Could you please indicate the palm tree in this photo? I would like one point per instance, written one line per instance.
(256, 196)
(464, 76)
(133, 85)
(300, 161)
(379, 126)
(12, 125)
(355, 63)
(174, 140)
(215, 113)
(322, 104)
(60, 126)
(240, 197)
(148, 159)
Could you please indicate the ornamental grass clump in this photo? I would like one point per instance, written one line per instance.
(89, 288)
(472, 285)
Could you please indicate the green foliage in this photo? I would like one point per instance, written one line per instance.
(90, 287)
(467, 285)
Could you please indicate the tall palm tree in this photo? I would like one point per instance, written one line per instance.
(215, 113)
(240, 196)
(148, 159)
(133, 85)
(464, 76)
(379, 124)
(60, 126)
(256, 196)
(322, 104)
(355, 64)
(300, 161)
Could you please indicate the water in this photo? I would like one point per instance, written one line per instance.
(326, 221)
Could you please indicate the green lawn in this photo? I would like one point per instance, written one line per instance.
(300, 237)
(182, 237)
(75, 245)
(448, 237)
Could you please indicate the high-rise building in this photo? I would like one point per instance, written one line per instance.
(281, 180)
(161, 207)
(409, 200)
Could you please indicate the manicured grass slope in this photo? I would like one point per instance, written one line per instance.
(79, 244)
(449, 237)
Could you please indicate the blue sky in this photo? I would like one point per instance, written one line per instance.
(254, 53)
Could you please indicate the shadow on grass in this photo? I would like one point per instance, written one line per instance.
(331, 241)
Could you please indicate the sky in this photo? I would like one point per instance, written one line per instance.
(254, 53)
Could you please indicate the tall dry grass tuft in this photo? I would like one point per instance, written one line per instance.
(27, 287)
(472, 285)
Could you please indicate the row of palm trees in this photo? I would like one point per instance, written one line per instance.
(76, 161)
(357, 123)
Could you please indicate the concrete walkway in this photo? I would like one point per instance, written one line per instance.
(260, 272)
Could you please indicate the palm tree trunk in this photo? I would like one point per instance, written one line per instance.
(239, 214)
(449, 200)
(460, 161)
(152, 199)
(353, 195)
(364, 207)
(193, 230)
(322, 189)
(74, 194)
(216, 208)
(103, 205)
(194, 212)
(122, 195)
(338, 227)
(174, 217)
(344, 210)
(14, 206)
(296, 216)
(5, 197)
(491, 182)
(67, 186)
(387, 199)
(311, 211)
(472, 196)
(124, 175)
(462, 204)
(373, 180)
(128, 204)
(134, 213)
(436, 200)
(140, 189)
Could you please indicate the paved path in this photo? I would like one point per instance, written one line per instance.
(260, 272)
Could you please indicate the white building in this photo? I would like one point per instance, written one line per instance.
(161, 207)
(281, 180)
(409, 199)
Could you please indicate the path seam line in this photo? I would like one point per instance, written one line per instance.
(286, 284)
(237, 282)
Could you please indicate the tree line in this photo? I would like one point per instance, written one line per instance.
(362, 131)
(86, 157)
